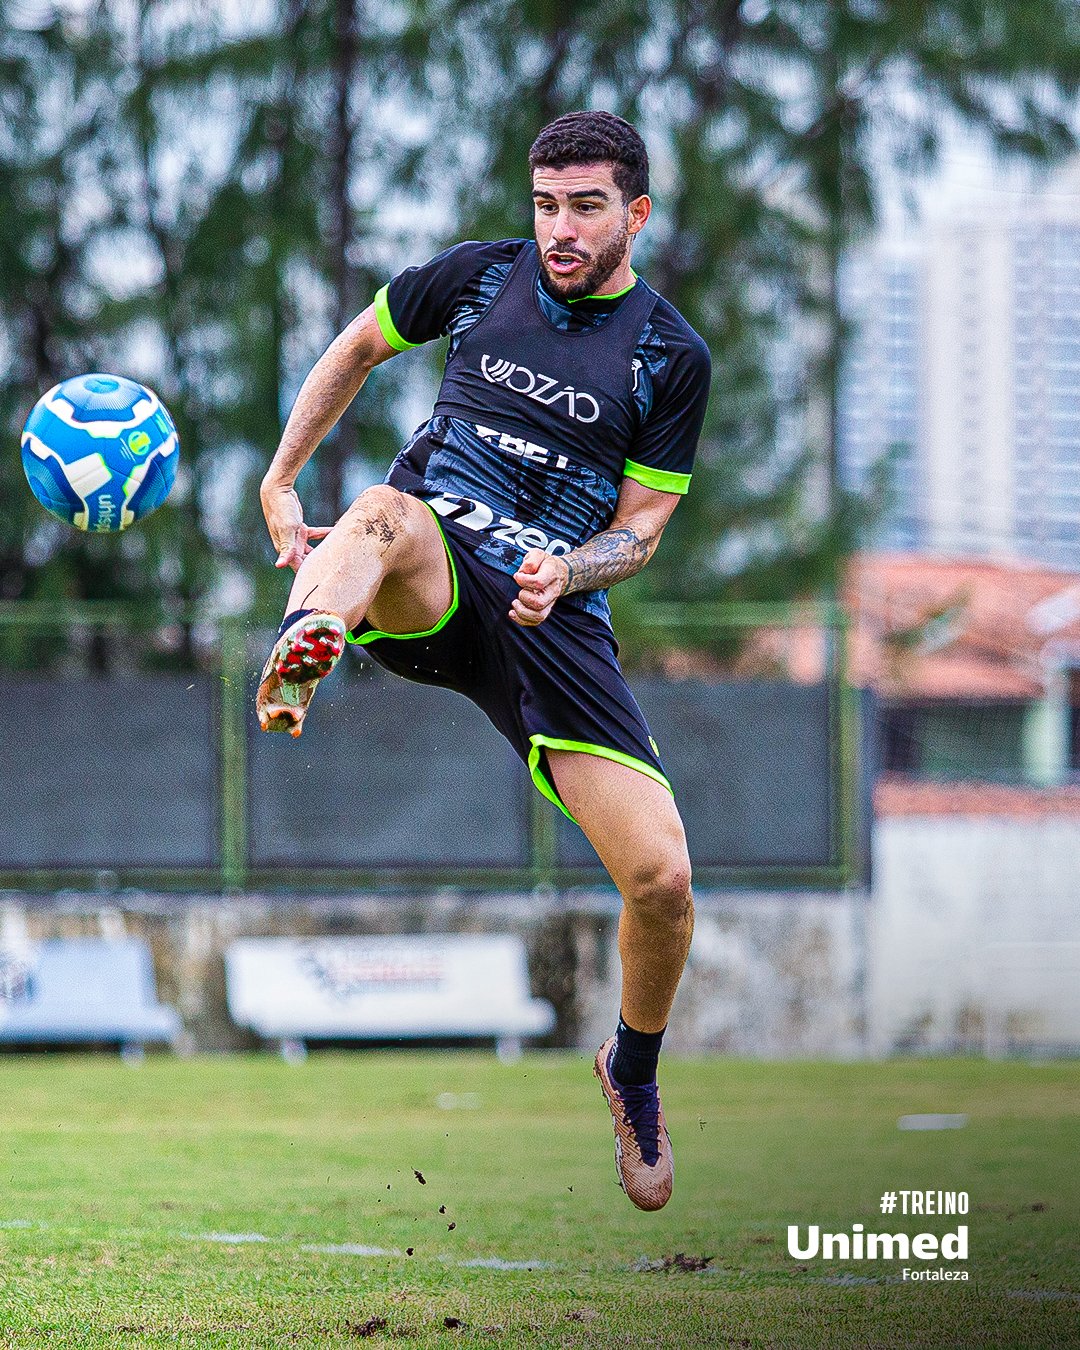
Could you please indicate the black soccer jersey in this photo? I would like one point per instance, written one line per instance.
(545, 406)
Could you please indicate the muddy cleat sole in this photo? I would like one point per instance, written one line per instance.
(302, 656)
(644, 1161)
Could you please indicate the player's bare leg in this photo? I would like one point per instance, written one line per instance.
(634, 825)
(385, 561)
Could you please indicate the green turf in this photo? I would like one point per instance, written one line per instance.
(114, 1176)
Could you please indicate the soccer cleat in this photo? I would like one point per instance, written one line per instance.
(303, 655)
(643, 1158)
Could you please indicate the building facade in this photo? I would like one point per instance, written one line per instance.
(963, 376)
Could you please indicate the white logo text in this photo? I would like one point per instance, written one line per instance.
(582, 407)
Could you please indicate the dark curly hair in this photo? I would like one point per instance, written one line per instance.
(595, 138)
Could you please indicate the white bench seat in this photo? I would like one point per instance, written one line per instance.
(82, 990)
(294, 990)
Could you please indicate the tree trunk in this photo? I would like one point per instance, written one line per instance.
(343, 442)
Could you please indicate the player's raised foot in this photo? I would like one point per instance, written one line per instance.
(305, 653)
(643, 1157)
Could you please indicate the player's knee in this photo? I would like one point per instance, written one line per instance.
(381, 512)
(660, 888)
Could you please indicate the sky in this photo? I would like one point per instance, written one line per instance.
(969, 178)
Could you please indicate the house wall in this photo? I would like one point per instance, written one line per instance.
(974, 934)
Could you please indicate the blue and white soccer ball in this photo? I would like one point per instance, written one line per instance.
(100, 452)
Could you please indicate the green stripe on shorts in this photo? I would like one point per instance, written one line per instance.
(540, 742)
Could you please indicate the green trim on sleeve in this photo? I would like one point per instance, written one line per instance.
(547, 788)
(374, 633)
(386, 323)
(660, 479)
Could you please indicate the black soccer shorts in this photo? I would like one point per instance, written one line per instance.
(557, 686)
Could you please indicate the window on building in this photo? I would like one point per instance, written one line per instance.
(1074, 723)
(899, 740)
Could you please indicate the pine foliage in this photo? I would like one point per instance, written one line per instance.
(201, 197)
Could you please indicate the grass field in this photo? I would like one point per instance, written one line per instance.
(242, 1202)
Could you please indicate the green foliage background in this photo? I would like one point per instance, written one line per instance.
(201, 196)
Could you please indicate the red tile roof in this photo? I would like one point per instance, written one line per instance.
(950, 628)
(940, 628)
(894, 796)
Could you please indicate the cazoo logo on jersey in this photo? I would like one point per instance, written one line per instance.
(581, 406)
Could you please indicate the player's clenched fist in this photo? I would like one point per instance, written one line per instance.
(542, 579)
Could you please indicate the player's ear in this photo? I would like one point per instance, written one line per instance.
(637, 213)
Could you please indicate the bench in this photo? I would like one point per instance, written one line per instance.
(82, 991)
(295, 990)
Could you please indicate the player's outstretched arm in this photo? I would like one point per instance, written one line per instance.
(332, 384)
(610, 556)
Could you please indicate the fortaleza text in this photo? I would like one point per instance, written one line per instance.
(934, 1273)
(861, 1246)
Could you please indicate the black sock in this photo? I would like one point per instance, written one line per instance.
(636, 1055)
(294, 617)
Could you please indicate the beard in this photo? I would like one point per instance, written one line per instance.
(599, 267)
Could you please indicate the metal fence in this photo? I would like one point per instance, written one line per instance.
(161, 779)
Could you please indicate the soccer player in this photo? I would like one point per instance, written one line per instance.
(560, 443)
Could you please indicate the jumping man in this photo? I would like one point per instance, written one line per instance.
(562, 438)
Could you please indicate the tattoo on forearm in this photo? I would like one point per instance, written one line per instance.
(607, 558)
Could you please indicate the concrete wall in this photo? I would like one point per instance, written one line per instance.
(768, 975)
(969, 942)
(974, 934)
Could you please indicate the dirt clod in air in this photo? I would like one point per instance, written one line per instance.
(450, 1227)
(442, 1209)
(420, 1177)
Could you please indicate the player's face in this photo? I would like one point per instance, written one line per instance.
(584, 229)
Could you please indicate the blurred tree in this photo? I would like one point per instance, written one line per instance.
(730, 255)
(769, 123)
(203, 197)
(175, 208)
(873, 85)
(217, 171)
(793, 113)
(266, 259)
(57, 74)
